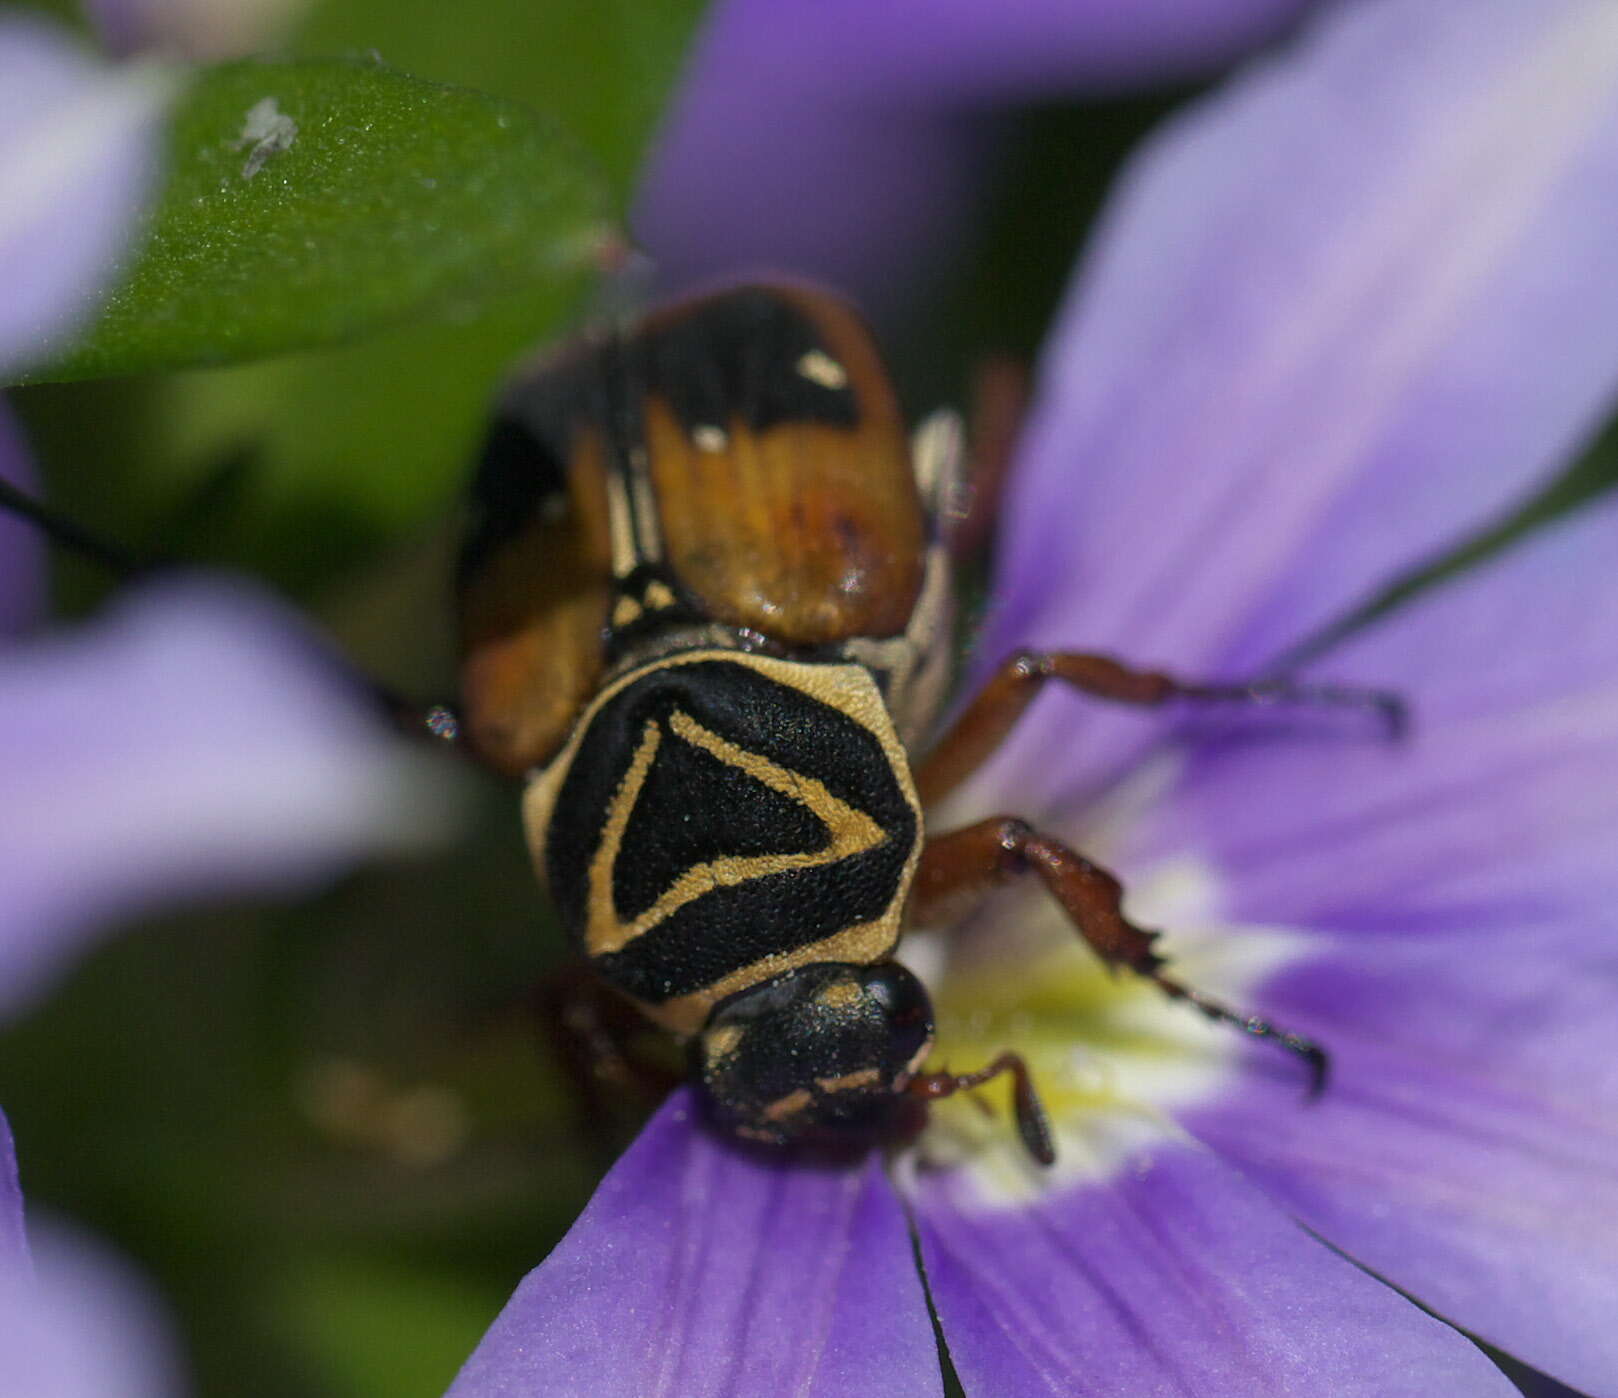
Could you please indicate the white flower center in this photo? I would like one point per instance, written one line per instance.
(1111, 1056)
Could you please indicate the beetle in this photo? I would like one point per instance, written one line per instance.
(705, 602)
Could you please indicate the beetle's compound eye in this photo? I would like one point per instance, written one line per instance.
(821, 1053)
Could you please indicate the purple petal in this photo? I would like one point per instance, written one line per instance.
(14, 1259)
(1491, 1204)
(77, 155)
(1526, 1006)
(1501, 808)
(699, 1270)
(22, 550)
(1171, 1276)
(831, 141)
(87, 1328)
(1344, 310)
(193, 741)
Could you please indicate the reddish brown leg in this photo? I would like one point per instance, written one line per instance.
(999, 401)
(962, 866)
(1033, 1125)
(986, 721)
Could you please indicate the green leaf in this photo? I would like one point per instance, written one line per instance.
(387, 199)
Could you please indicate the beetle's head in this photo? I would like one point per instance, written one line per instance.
(822, 1053)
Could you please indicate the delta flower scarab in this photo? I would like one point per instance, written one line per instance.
(705, 608)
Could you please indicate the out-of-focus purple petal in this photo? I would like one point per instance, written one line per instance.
(1344, 310)
(198, 29)
(829, 140)
(22, 550)
(1173, 1275)
(14, 1260)
(192, 742)
(697, 1270)
(77, 155)
(85, 1326)
(863, 201)
(1499, 811)
(1487, 1202)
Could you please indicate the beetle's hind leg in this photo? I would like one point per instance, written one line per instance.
(958, 868)
(984, 724)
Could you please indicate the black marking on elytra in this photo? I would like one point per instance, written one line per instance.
(737, 357)
(736, 926)
(522, 468)
(733, 357)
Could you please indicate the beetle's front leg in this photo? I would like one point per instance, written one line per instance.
(959, 868)
(993, 713)
(593, 1034)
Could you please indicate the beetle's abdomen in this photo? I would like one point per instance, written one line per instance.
(718, 819)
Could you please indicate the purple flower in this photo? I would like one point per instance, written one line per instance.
(77, 155)
(1341, 314)
(74, 1320)
(849, 141)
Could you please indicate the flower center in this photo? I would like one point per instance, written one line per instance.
(1102, 1046)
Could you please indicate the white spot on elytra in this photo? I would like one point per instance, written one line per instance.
(709, 437)
(819, 367)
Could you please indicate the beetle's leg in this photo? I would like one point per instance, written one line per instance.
(69, 534)
(435, 721)
(992, 714)
(591, 1032)
(1033, 1125)
(999, 403)
(957, 869)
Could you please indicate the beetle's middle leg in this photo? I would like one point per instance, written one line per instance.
(957, 869)
(993, 713)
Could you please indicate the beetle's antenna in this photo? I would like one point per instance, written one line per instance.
(61, 530)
